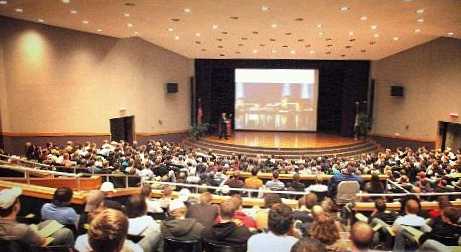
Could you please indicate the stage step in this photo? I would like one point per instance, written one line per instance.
(228, 149)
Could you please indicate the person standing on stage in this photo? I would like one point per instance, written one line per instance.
(223, 126)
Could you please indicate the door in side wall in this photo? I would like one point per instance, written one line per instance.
(122, 128)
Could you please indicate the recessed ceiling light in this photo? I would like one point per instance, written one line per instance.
(344, 8)
(351, 33)
(374, 27)
(264, 8)
(274, 51)
(187, 10)
(136, 33)
(321, 33)
(65, 1)
(450, 34)
(274, 25)
(395, 38)
(41, 20)
(311, 51)
(363, 18)
(85, 21)
(3, 2)
(197, 34)
(129, 25)
(99, 30)
(420, 11)
(214, 27)
(170, 29)
(176, 37)
(319, 26)
(292, 51)
(255, 51)
(376, 35)
(126, 14)
(19, 10)
(417, 30)
(420, 20)
(73, 12)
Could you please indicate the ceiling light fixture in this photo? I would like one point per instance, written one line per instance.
(344, 8)
(41, 20)
(311, 51)
(374, 27)
(420, 20)
(3, 2)
(19, 10)
(363, 18)
(65, 1)
(274, 51)
(321, 33)
(351, 33)
(170, 29)
(450, 34)
(176, 37)
(136, 33)
(73, 12)
(319, 26)
(126, 14)
(99, 30)
(187, 10)
(292, 51)
(264, 8)
(214, 27)
(85, 21)
(420, 11)
(255, 51)
(395, 38)
(417, 30)
(376, 35)
(197, 34)
(129, 25)
(274, 25)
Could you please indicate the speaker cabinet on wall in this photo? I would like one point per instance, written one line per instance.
(397, 91)
(171, 88)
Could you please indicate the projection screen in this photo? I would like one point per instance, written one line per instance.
(276, 99)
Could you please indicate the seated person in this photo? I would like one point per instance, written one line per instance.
(227, 232)
(11, 230)
(153, 206)
(382, 213)
(59, 208)
(306, 203)
(179, 227)
(296, 184)
(445, 229)
(253, 182)
(280, 224)
(411, 217)
(107, 232)
(325, 229)
(374, 185)
(141, 224)
(346, 174)
(308, 245)
(361, 236)
(261, 216)
(93, 200)
(275, 184)
(204, 212)
(239, 215)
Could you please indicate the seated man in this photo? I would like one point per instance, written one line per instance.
(276, 239)
(204, 212)
(239, 215)
(261, 216)
(411, 218)
(361, 236)
(59, 208)
(275, 184)
(382, 214)
(346, 174)
(253, 182)
(11, 230)
(179, 227)
(445, 229)
(227, 232)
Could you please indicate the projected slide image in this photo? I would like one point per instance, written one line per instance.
(276, 99)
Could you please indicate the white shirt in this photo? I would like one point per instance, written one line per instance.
(412, 220)
(153, 206)
(83, 245)
(139, 224)
(270, 242)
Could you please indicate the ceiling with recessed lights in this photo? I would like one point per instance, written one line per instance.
(272, 29)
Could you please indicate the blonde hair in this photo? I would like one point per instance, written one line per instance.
(108, 231)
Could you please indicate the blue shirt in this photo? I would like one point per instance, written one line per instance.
(64, 215)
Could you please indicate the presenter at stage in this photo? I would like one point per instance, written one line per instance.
(223, 122)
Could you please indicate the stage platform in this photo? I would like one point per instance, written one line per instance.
(290, 145)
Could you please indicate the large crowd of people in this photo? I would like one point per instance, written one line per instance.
(319, 224)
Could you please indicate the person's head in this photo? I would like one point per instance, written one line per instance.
(271, 199)
(107, 231)
(93, 200)
(380, 205)
(9, 203)
(361, 235)
(62, 196)
(327, 204)
(308, 245)
(254, 172)
(237, 199)
(324, 229)
(167, 191)
(136, 206)
(444, 201)
(146, 190)
(318, 212)
(275, 175)
(310, 200)
(450, 215)
(280, 219)
(205, 198)
(227, 209)
(412, 207)
(177, 209)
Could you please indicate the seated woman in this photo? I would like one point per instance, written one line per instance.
(325, 229)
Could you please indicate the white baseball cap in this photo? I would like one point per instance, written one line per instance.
(176, 204)
(8, 197)
(107, 187)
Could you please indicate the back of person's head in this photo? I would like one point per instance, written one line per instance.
(205, 198)
(136, 206)
(412, 207)
(275, 174)
(93, 200)
(254, 172)
(308, 245)
(146, 190)
(380, 205)
(107, 231)
(227, 209)
(324, 229)
(361, 235)
(451, 215)
(237, 199)
(62, 196)
(280, 219)
(444, 201)
(271, 199)
(310, 200)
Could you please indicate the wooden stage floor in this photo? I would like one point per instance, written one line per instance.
(266, 139)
